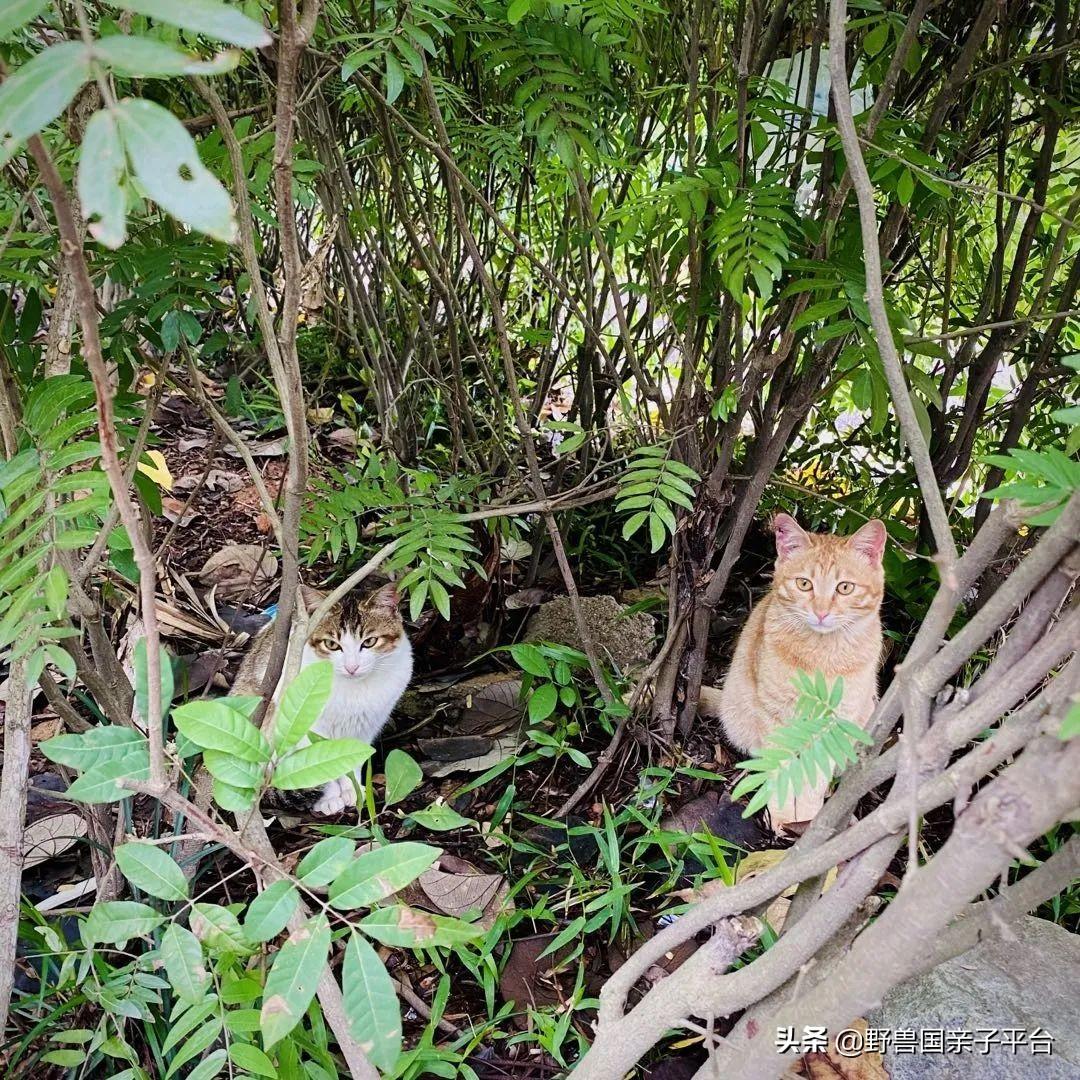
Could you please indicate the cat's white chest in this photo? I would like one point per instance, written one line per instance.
(359, 708)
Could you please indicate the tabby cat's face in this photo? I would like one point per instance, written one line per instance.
(359, 632)
(825, 582)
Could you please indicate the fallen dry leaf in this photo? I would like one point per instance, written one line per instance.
(270, 448)
(47, 729)
(526, 598)
(500, 750)
(51, 836)
(717, 814)
(457, 888)
(834, 1066)
(172, 509)
(492, 709)
(239, 568)
(528, 979)
(343, 436)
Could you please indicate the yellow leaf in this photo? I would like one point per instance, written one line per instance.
(158, 471)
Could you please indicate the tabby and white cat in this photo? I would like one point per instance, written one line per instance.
(364, 638)
(822, 613)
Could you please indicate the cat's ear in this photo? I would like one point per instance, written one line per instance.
(312, 597)
(870, 540)
(384, 600)
(790, 536)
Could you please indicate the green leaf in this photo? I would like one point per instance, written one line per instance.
(270, 911)
(875, 39)
(66, 1058)
(325, 861)
(251, 1059)
(109, 742)
(166, 165)
(101, 784)
(395, 78)
(371, 1005)
(542, 702)
(328, 759)
(403, 776)
(440, 818)
(182, 956)
(1070, 726)
(117, 921)
(293, 979)
(39, 92)
(216, 20)
(236, 800)
(302, 704)
(232, 770)
(219, 929)
(17, 13)
(379, 873)
(208, 1068)
(214, 726)
(517, 11)
(905, 187)
(150, 869)
(405, 927)
(531, 660)
(146, 57)
(657, 534)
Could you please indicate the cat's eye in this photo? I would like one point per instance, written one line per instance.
(804, 583)
(369, 643)
(846, 588)
(330, 645)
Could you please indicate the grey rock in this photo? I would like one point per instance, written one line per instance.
(624, 641)
(1028, 983)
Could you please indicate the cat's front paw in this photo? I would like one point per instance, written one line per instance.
(332, 799)
(336, 796)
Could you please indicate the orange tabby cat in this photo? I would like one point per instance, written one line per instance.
(821, 614)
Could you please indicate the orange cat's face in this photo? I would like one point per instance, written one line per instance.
(826, 582)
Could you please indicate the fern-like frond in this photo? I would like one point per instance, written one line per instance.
(652, 486)
(816, 742)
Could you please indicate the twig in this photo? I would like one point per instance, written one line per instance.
(13, 782)
(1004, 324)
(864, 193)
(71, 244)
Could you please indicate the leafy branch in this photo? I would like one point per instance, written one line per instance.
(816, 743)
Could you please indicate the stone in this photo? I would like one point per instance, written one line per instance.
(1029, 982)
(622, 640)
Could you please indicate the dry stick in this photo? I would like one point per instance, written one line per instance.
(13, 782)
(520, 417)
(916, 707)
(71, 245)
(864, 193)
(1050, 316)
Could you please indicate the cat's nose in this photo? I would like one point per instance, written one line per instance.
(352, 669)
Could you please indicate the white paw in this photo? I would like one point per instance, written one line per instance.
(333, 799)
